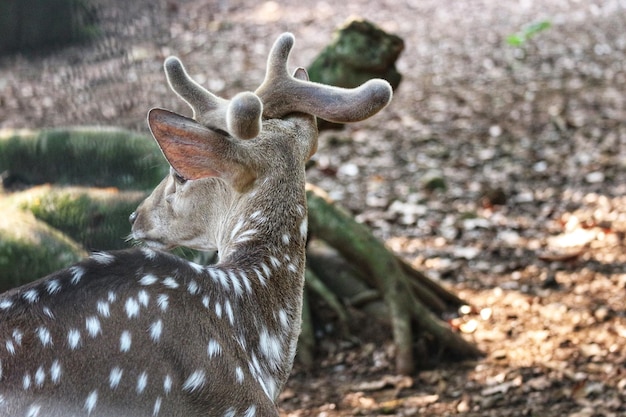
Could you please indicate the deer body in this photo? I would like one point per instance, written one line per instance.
(141, 332)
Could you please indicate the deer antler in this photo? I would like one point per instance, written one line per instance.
(282, 94)
(240, 116)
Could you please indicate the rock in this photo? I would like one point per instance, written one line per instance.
(359, 51)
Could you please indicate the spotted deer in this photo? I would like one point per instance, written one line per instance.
(141, 332)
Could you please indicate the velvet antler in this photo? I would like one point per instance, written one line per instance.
(282, 94)
(240, 116)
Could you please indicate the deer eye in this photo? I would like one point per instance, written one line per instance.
(179, 178)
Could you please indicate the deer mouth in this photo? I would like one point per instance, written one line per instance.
(142, 240)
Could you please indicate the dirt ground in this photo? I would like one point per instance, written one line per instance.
(529, 141)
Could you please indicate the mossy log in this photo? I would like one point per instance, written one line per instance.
(30, 248)
(90, 156)
(95, 217)
(359, 51)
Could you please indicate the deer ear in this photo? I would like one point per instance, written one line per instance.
(193, 150)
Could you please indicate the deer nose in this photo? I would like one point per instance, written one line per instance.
(132, 217)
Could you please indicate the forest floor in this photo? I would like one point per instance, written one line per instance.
(529, 140)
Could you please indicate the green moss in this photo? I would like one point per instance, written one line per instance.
(30, 249)
(97, 218)
(359, 51)
(82, 156)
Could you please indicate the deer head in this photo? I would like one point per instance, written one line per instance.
(238, 144)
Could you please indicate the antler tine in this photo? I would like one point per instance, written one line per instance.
(282, 94)
(240, 116)
(199, 99)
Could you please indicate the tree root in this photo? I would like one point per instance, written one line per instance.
(413, 301)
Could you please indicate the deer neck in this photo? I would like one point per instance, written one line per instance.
(264, 239)
(269, 220)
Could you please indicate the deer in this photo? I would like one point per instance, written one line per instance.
(141, 332)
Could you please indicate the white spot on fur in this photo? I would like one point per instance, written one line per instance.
(255, 369)
(291, 267)
(6, 304)
(192, 287)
(285, 239)
(40, 377)
(92, 324)
(304, 227)
(259, 276)
(246, 281)
(242, 341)
(10, 347)
(53, 286)
(271, 389)
(196, 267)
(239, 374)
(230, 412)
(250, 412)
(115, 376)
(148, 253)
(229, 312)
(32, 296)
(275, 262)
(266, 270)
(125, 341)
(213, 348)
(156, 329)
(17, 336)
(167, 384)
(270, 347)
(91, 401)
(55, 372)
(218, 310)
(142, 382)
(44, 336)
(170, 282)
(112, 297)
(206, 301)
(77, 273)
(284, 319)
(103, 258)
(26, 381)
(73, 338)
(237, 288)
(48, 313)
(148, 279)
(33, 410)
(131, 307)
(163, 301)
(103, 308)
(195, 381)
(157, 407)
(143, 297)
(221, 277)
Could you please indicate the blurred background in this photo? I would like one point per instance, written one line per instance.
(499, 169)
